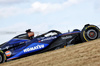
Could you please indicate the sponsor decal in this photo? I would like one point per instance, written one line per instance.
(40, 38)
(7, 47)
(90, 26)
(33, 48)
(22, 42)
(8, 53)
(49, 38)
(66, 37)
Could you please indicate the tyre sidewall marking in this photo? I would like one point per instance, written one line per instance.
(4, 55)
(84, 36)
(1, 58)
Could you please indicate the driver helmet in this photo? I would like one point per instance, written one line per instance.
(30, 33)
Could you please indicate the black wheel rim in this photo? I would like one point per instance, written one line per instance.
(92, 34)
(0, 58)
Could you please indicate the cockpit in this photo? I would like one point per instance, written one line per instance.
(28, 35)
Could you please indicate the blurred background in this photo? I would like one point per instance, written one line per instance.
(16, 16)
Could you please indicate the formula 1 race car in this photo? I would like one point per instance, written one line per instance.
(22, 45)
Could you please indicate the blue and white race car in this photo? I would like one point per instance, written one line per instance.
(26, 44)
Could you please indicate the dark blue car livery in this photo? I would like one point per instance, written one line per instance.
(20, 46)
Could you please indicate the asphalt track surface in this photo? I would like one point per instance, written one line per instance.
(84, 54)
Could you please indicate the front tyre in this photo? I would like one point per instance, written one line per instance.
(2, 57)
(90, 32)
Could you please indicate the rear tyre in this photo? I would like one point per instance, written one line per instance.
(76, 30)
(2, 57)
(89, 32)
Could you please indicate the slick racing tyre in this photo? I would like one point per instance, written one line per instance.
(76, 30)
(90, 32)
(2, 57)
